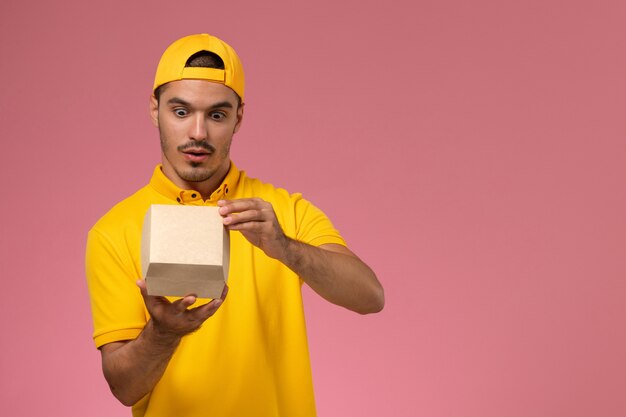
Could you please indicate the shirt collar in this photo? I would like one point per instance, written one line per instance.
(166, 187)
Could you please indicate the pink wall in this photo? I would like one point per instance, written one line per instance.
(472, 152)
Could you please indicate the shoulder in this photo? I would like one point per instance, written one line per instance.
(250, 187)
(128, 213)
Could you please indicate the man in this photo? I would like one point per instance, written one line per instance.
(241, 355)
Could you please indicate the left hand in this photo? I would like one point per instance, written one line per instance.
(256, 220)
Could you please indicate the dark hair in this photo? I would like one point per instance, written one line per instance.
(203, 59)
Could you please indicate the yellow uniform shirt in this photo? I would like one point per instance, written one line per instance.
(251, 358)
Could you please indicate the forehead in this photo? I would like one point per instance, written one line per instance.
(198, 92)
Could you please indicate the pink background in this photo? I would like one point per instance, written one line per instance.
(472, 152)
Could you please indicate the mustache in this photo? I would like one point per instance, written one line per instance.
(196, 145)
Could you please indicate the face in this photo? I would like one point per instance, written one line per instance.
(197, 120)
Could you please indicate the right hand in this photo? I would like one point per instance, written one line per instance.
(176, 318)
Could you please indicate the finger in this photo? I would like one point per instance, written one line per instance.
(182, 304)
(142, 287)
(207, 310)
(242, 204)
(147, 298)
(224, 292)
(251, 227)
(247, 216)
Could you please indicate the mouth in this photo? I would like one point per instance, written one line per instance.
(196, 152)
(196, 155)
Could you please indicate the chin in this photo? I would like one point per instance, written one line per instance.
(196, 175)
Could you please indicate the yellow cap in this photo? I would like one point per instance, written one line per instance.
(172, 64)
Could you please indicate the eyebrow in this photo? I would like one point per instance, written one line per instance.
(220, 104)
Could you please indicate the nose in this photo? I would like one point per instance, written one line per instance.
(198, 128)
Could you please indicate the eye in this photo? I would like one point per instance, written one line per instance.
(180, 112)
(217, 115)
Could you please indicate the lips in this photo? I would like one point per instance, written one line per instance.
(197, 151)
(196, 155)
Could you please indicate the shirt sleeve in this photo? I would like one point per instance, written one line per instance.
(312, 225)
(117, 306)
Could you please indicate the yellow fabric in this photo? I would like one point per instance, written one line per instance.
(172, 64)
(201, 73)
(249, 359)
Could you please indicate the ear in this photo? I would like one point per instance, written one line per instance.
(154, 110)
(239, 117)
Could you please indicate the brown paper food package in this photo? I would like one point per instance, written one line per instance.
(184, 250)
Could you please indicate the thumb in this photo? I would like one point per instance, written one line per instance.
(142, 287)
